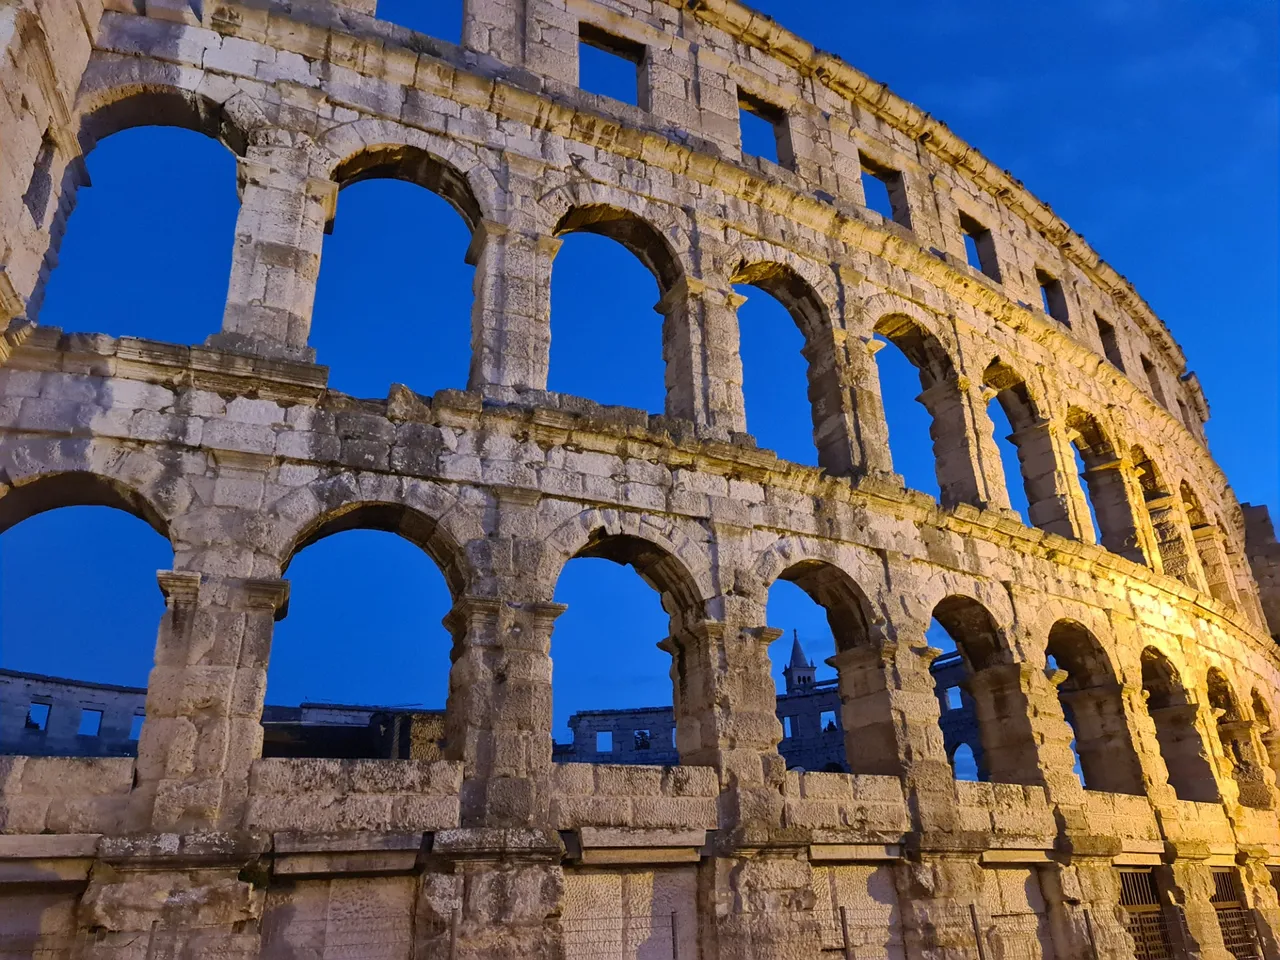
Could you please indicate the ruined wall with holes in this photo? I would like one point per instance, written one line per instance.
(236, 451)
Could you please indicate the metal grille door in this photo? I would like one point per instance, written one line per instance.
(1235, 920)
(1145, 921)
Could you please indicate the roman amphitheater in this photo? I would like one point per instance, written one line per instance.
(1143, 637)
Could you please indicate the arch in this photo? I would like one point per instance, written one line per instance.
(1268, 735)
(1174, 715)
(1104, 479)
(1236, 740)
(1209, 541)
(1166, 524)
(371, 147)
(78, 488)
(1031, 438)
(667, 557)
(631, 230)
(1092, 704)
(979, 640)
(828, 407)
(416, 165)
(920, 345)
(849, 612)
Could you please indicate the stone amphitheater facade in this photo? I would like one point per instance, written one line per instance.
(237, 453)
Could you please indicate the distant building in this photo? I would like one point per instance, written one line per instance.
(51, 716)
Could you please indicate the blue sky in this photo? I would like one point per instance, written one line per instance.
(1149, 126)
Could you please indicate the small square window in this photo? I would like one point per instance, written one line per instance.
(954, 700)
(38, 717)
(1052, 297)
(786, 728)
(828, 721)
(765, 132)
(1153, 378)
(135, 726)
(610, 66)
(980, 247)
(884, 190)
(1110, 345)
(604, 742)
(641, 740)
(90, 723)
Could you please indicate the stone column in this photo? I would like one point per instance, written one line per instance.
(1086, 883)
(1112, 504)
(511, 314)
(870, 431)
(1217, 573)
(965, 456)
(279, 236)
(727, 716)
(498, 721)
(1183, 749)
(1172, 553)
(886, 711)
(1260, 893)
(700, 348)
(1055, 503)
(1003, 696)
(1188, 880)
(204, 701)
(1103, 740)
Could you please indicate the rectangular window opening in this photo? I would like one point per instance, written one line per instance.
(40, 187)
(604, 741)
(954, 700)
(980, 247)
(885, 191)
(765, 132)
(828, 721)
(786, 728)
(1053, 297)
(135, 726)
(38, 717)
(641, 740)
(90, 722)
(1153, 378)
(610, 66)
(1110, 345)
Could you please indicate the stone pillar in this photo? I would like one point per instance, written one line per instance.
(1254, 781)
(1103, 742)
(511, 314)
(1189, 883)
(1055, 503)
(965, 455)
(1087, 883)
(883, 709)
(1260, 893)
(700, 348)
(204, 701)
(1002, 696)
(1109, 492)
(279, 236)
(870, 431)
(1213, 560)
(727, 716)
(1172, 553)
(1183, 750)
(496, 27)
(498, 721)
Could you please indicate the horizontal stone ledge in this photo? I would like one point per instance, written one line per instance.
(48, 846)
(339, 862)
(1016, 855)
(1136, 859)
(624, 856)
(496, 842)
(355, 841)
(41, 871)
(619, 837)
(854, 852)
(172, 848)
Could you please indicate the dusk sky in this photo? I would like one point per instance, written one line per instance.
(1149, 125)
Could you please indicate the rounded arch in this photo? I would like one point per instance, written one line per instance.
(920, 345)
(1161, 681)
(1080, 654)
(666, 558)
(791, 281)
(631, 230)
(979, 640)
(79, 488)
(419, 511)
(849, 612)
(1012, 393)
(120, 93)
(1222, 698)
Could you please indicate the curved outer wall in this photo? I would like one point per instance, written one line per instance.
(237, 452)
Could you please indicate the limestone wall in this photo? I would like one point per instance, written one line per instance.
(1152, 641)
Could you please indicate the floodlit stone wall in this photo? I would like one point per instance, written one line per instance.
(238, 454)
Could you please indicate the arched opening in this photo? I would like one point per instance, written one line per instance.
(1268, 735)
(841, 719)
(603, 293)
(1166, 523)
(964, 764)
(1026, 449)
(73, 681)
(1092, 705)
(991, 714)
(1174, 715)
(789, 374)
(359, 668)
(1235, 737)
(616, 673)
(1101, 469)
(1208, 539)
(395, 305)
(943, 468)
(174, 220)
